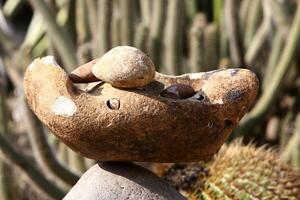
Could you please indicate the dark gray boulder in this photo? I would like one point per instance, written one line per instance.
(120, 180)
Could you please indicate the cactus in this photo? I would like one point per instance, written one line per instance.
(82, 25)
(237, 172)
(172, 37)
(57, 34)
(146, 7)
(260, 37)
(116, 30)
(43, 152)
(104, 27)
(211, 48)
(156, 31)
(281, 69)
(141, 37)
(196, 42)
(273, 58)
(233, 32)
(127, 21)
(291, 152)
(4, 177)
(252, 21)
(250, 173)
(76, 162)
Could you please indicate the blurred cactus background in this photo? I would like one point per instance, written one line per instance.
(180, 36)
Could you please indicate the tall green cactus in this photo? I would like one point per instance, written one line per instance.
(196, 36)
(127, 21)
(156, 30)
(211, 48)
(173, 37)
(104, 27)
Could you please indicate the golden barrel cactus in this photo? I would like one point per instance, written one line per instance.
(236, 172)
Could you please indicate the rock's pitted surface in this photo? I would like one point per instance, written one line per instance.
(120, 181)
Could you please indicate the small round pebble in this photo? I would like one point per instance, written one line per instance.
(118, 180)
(178, 91)
(125, 67)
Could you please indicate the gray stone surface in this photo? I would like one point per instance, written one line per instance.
(119, 180)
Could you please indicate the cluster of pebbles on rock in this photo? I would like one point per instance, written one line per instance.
(137, 114)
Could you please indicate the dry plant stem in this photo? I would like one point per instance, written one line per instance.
(53, 141)
(260, 36)
(65, 17)
(82, 25)
(232, 29)
(116, 37)
(76, 162)
(196, 36)
(295, 156)
(252, 21)
(63, 153)
(35, 32)
(103, 43)
(11, 7)
(284, 134)
(51, 49)
(57, 34)
(211, 56)
(172, 37)
(281, 19)
(84, 52)
(42, 151)
(141, 36)
(261, 107)
(243, 13)
(273, 58)
(217, 10)
(30, 170)
(156, 30)
(6, 45)
(41, 48)
(92, 17)
(190, 9)
(4, 182)
(292, 147)
(224, 44)
(127, 21)
(6, 28)
(146, 8)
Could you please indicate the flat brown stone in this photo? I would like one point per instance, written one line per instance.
(139, 124)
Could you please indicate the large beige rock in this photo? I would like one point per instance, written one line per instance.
(121, 181)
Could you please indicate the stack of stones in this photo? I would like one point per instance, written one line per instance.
(136, 114)
(120, 180)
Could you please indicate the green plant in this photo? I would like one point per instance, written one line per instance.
(237, 172)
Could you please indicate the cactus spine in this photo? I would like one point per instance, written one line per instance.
(237, 172)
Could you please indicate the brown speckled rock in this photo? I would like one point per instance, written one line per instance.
(118, 181)
(138, 124)
(125, 67)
